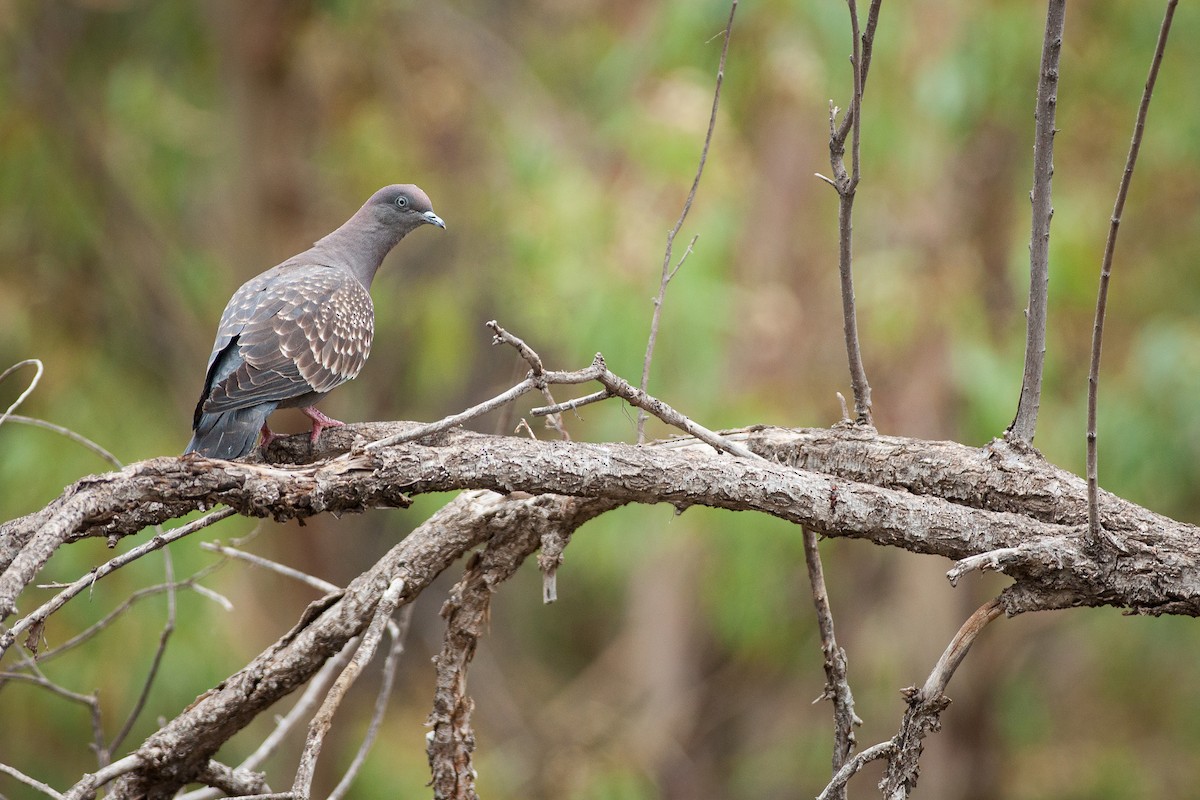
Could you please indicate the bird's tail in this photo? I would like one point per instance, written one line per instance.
(228, 434)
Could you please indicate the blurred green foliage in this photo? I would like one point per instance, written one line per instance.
(154, 155)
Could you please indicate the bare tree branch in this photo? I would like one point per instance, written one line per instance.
(33, 622)
(309, 699)
(837, 786)
(846, 183)
(323, 720)
(38, 368)
(667, 272)
(31, 782)
(915, 514)
(1024, 425)
(930, 497)
(926, 705)
(398, 630)
(837, 686)
(232, 782)
(156, 661)
(88, 784)
(171, 756)
(68, 433)
(320, 585)
(451, 739)
(1135, 144)
(125, 605)
(536, 371)
(1052, 565)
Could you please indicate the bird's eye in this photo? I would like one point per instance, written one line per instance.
(402, 201)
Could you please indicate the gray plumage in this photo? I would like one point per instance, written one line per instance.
(290, 335)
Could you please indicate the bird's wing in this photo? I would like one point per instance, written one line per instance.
(288, 333)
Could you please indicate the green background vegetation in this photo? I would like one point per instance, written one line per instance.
(155, 155)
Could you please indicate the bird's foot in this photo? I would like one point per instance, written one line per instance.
(268, 436)
(319, 422)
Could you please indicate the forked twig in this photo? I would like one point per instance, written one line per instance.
(1094, 529)
(846, 183)
(667, 272)
(925, 705)
(537, 370)
(34, 621)
(837, 686)
(616, 386)
(837, 786)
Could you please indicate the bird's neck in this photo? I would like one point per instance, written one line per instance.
(359, 246)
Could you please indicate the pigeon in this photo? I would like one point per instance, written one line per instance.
(290, 335)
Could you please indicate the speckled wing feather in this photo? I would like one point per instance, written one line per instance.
(295, 330)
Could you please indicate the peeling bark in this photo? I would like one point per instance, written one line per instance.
(998, 507)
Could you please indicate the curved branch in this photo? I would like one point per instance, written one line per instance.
(1110, 245)
(926, 497)
(991, 507)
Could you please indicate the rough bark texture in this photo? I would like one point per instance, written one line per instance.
(997, 507)
(938, 498)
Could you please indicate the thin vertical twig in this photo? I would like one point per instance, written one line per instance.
(1110, 245)
(1024, 424)
(667, 272)
(846, 183)
(163, 638)
(323, 720)
(837, 687)
(398, 631)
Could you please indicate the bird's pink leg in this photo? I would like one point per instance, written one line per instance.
(319, 421)
(268, 436)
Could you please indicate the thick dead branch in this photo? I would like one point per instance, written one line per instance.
(937, 498)
(174, 755)
(451, 739)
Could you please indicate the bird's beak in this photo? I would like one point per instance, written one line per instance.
(433, 219)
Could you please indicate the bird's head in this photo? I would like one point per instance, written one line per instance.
(403, 206)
